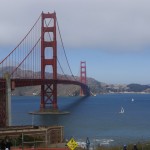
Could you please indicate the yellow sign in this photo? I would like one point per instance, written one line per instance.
(72, 144)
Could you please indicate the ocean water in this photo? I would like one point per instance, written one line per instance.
(95, 117)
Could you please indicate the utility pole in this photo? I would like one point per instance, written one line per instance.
(8, 99)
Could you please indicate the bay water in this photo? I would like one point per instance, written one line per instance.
(97, 117)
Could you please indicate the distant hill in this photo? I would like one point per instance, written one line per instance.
(137, 87)
(95, 86)
(122, 88)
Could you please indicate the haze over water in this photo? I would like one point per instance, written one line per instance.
(95, 117)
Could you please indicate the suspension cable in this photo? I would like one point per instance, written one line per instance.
(62, 69)
(26, 56)
(64, 50)
(21, 40)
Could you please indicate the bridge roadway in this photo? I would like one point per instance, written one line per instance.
(20, 82)
(31, 82)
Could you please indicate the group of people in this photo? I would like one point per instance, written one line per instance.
(5, 144)
(134, 147)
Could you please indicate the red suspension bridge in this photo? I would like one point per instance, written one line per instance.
(35, 61)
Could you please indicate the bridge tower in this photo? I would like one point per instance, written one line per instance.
(82, 76)
(48, 91)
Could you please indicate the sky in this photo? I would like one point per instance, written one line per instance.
(112, 36)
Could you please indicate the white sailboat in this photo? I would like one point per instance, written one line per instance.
(132, 100)
(122, 110)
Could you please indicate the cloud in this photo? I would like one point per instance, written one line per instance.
(98, 24)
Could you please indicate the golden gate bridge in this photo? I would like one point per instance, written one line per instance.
(29, 63)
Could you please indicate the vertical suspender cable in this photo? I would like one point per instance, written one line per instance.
(64, 50)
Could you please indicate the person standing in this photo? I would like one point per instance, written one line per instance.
(87, 143)
(125, 147)
(135, 147)
(8, 144)
(3, 145)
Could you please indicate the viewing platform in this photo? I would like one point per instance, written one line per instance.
(49, 134)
